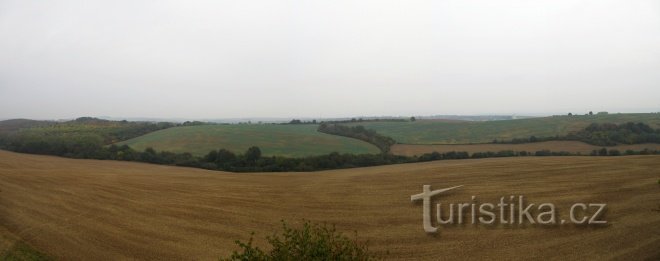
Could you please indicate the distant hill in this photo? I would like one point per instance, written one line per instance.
(76, 138)
(465, 132)
(474, 117)
(13, 125)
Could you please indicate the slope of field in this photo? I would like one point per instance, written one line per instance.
(107, 210)
(459, 132)
(273, 140)
(556, 146)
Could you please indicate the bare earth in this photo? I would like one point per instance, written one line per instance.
(108, 210)
(569, 146)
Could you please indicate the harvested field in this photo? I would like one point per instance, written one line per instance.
(569, 146)
(109, 210)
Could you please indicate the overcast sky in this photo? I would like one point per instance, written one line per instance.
(222, 59)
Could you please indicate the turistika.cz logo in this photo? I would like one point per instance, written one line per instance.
(509, 210)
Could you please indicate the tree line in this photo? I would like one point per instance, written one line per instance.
(252, 159)
(359, 132)
(75, 141)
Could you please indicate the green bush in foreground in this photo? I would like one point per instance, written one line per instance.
(311, 242)
(23, 252)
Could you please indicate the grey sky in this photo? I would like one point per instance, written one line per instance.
(220, 59)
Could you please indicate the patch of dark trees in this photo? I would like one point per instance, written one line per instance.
(605, 134)
(358, 120)
(359, 132)
(297, 121)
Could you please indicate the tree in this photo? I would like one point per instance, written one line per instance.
(412, 118)
(591, 113)
(149, 155)
(224, 156)
(253, 154)
(570, 114)
(212, 156)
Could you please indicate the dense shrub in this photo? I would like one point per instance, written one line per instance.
(225, 160)
(543, 153)
(444, 156)
(310, 242)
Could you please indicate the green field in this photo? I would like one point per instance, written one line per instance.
(460, 132)
(273, 140)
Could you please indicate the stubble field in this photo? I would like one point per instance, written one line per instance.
(555, 146)
(108, 210)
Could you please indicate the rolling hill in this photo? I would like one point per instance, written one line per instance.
(110, 210)
(273, 140)
(13, 125)
(464, 132)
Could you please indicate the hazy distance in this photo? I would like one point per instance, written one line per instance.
(233, 59)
